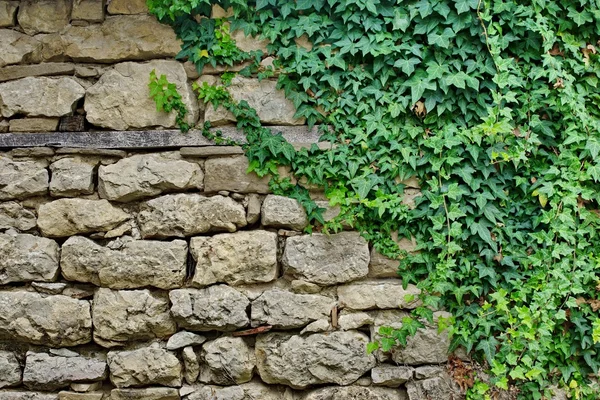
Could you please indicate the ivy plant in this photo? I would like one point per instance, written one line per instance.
(494, 107)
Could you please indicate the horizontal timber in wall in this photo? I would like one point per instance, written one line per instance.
(143, 139)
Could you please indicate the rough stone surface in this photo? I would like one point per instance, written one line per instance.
(68, 217)
(378, 294)
(72, 176)
(55, 321)
(127, 7)
(210, 151)
(253, 208)
(21, 395)
(438, 388)
(354, 320)
(136, 264)
(217, 307)
(80, 396)
(145, 366)
(337, 357)
(283, 212)
(145, 394)
(44, 16)
(10, 370)
(229, 173)
(181, 215)
(184, 339)
(88, 10)
(35, 124)
(270, 104)
(48, 372)
(46, 69)
(428, 371)
(235, 258)
(26, 258)
(390, 375)
(283, 309)
(21, 179)
(227, 361)
(356, 393)
(426, 347)
(385, 267)
(191, 364)
(16, 47)
(148, 175)
(120, 100)
(14, 215)
(326, 259)
(40, 96)
(8, 13)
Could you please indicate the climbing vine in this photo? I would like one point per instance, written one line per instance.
(494, 106)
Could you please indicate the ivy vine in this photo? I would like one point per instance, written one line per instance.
(494, 106)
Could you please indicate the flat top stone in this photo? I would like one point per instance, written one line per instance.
(184, 339)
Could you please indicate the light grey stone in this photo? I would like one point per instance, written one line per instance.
(54, 321)
(321, 325)
(253, 208)
(208, 392)
(235, 258)
(154, 393)
(40, 96)
(438, 388)
(32, 125)
(10, 370)
(218, 307)
(378, 294)
(17, 48)
(229, 173)
(184, 339)
(26, 258)
(355, 393)
(44, 16)
(80, 396)
(47, 372)
(127, 7)
(354, 320)
(210, 151)
(326, 259)
(126, 315)
(283, 212)
(68, 217)
(253, 390)
(300, 361)
(143, 367)
(146, 175)
(283, 309)
(88, 10)
(428, 371)
(8, 13)
(22, 395)
(137, 263)
(226, 361)
(191, 364)
(42, 152)
(130, 107)
(45, 69)
(72, 176)
(391, 375)
(21, 179)
(388, 318)
(86, 387)
(181, 215)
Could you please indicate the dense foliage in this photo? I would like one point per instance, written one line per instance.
(494, 106)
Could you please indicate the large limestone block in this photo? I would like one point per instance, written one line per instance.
(146, 175)
(49, 372)
(356, 393)
(121, 316)
(144, 367)
(229, 173)
(127, 7)
(326, 259)
(40, 96)
(26, 258)
(226, 361)
(21, 179)
(270, 103)
(55, 321)
(218, 307)
(378, 294)
(235, 258)
(72, 176)
(180, 215)
(136, 264)
(120, 99)
(21, 395)
(145, 394)
(68, 217)
(8, 13)
(283, 309)
(119, 38)
(300, 361)
(16, 47)
(283, 212)
(44, 16)
(441, 387)
(10, 370)
(88, 10)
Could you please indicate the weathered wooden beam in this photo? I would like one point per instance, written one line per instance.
(143, 139)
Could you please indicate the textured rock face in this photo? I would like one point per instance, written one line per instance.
(439, 388)
(46, 69)
(184, 339)
(254, 390)
(235, 258)
(148, 175)
(145, 394)
(191, 364)
(10, 371)
(226, 361)
(48, 372)
(229, 173)
(16, 47)
(142, 367)
(35, 124)
(217, 307)
(390, 375)
(72, 177)
(20, 395)
(8, 13)
(385, 267)
(88, 10)
(283, 212)
(356, 393)
(26, 258)
(55, 321)
(137, 263)
(127, 7)
(21, 179)
(120, 100)
(126, 315)
(44, 16)
(284, 309)
(67, 217)
(41, 96)
(181, 215)
(378, 294)
(338, 357)
(426, 347)
(326, 260)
